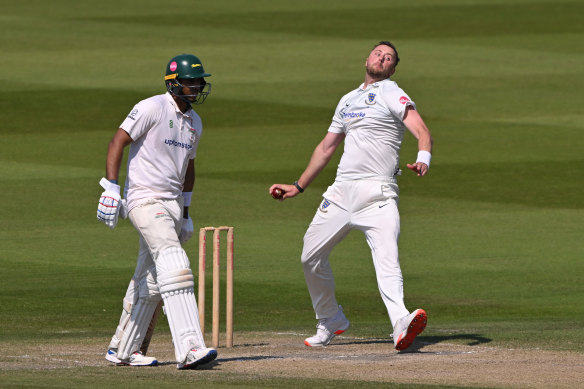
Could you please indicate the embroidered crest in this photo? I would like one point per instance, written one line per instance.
(171, 124)
(324, 205)
(370, 98)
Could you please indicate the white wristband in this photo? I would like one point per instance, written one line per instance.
(424, 157)
(187, 196)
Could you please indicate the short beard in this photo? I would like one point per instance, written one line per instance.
(378, 75)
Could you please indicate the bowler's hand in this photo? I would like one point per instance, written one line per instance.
(420, 168)
(289, 191)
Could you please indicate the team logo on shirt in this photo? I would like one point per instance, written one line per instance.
(193, 132)
(171, 124)
(403, 99)
(370, 98)
(324, 205)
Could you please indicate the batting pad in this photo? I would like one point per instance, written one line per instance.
(124, 320)
(136, 328)
(175, 280)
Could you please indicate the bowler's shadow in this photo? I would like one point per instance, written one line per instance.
(469, 339)
(421, 341)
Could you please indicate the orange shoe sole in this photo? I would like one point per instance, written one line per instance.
(414, 329)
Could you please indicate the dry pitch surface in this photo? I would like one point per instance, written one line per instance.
(346, 358)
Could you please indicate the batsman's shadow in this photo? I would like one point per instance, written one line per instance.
(217, 362)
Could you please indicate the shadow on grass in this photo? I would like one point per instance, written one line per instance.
(421, 341)
(217, 362)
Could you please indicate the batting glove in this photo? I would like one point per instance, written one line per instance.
(187, 230)
(108, 208)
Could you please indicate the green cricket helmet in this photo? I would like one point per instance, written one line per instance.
(186, 66)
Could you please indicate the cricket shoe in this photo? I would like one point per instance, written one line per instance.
(111, 355)
(408, 327)
(326, 329)
(136, 359)
(197, 357)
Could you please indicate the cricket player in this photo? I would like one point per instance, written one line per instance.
(371, 120)
(163, 133)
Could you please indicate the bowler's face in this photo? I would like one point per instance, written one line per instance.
(381, 62)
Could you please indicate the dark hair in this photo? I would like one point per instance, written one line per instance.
(388, 43)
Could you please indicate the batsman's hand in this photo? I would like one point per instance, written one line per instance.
(108, 208)
(187, 230)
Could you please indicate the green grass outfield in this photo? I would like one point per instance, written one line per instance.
(491, 242)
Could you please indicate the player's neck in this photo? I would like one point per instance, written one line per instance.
(372, 80)
(182, 105)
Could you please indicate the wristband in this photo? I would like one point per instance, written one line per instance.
(114, 181)
(187, 196)
(424, 157)
(298, 187)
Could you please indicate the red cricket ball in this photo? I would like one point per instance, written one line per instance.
(277, 193)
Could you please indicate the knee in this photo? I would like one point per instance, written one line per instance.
(148, 287)
(173, 271)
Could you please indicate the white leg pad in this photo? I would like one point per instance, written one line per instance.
(140, 317)
(124, 319)
(175, 280)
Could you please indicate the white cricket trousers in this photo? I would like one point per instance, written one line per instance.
(166, 271)
(366, 205)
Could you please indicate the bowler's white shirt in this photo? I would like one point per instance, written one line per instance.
(164, 139)
(371, 120)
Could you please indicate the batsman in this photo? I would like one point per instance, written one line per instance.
(163, 133)
(371, 120)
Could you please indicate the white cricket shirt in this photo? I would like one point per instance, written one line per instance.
(164, 139)
(371, 120)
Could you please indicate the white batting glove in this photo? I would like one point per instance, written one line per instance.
(187, 230)
(108, 208)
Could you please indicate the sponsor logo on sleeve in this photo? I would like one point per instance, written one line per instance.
(403, 99)
(133, 114)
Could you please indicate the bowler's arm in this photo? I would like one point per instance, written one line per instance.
(414, 123)
(321, 156)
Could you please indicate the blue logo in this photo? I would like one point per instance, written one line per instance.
(174, 143)
(353, 115)
(370, 98)
(324, 205)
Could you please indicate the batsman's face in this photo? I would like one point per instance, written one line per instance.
(192, 87)
(381, 62)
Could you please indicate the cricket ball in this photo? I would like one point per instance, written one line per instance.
(277, 193)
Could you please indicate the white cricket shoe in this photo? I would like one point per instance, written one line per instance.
(326, 329)
(197, 357)
(111, 355)
(408, 327)
(137, 359)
